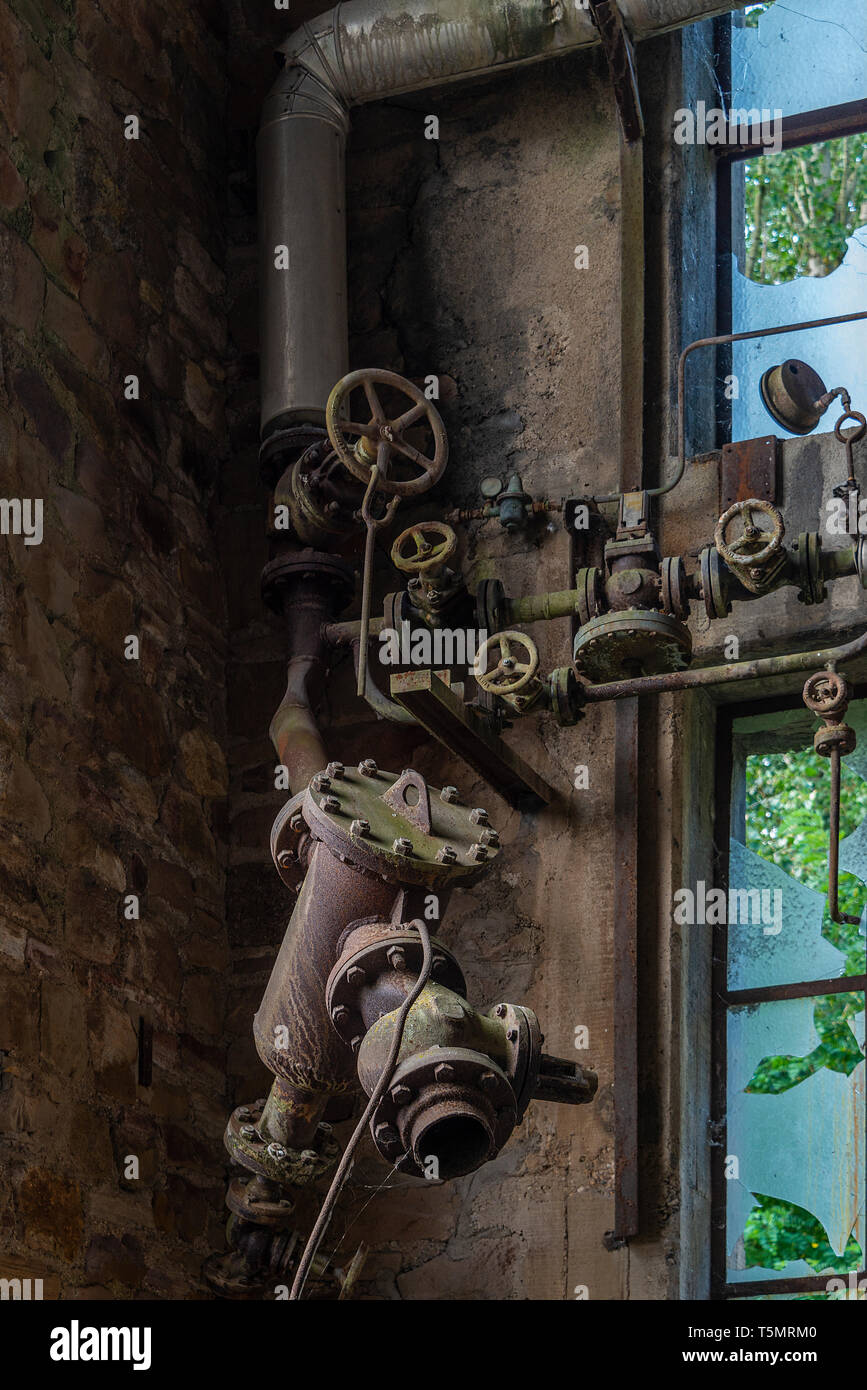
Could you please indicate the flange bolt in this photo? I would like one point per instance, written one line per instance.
(367, 767)
(479, 815)
(402, 845)
(447, 855)
(360, 828)
(449, 794)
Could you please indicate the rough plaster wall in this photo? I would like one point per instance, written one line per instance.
(112, 774)
(461, 263)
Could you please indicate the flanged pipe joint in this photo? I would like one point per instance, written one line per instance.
(463, 1078)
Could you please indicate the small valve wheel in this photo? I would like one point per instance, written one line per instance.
(423, 547)
(747, 548)
(827, 694)
(509, 675)
(382, 440)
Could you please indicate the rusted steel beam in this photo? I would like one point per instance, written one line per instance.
(460, 729)
(805, 128)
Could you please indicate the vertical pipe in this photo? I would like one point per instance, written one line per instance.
(302, 313)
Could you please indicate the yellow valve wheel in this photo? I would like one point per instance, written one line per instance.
(414, 553)
(510, 673)
(383, 439)
(753, 546)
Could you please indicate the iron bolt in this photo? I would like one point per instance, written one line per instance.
(437, 964)
(396, 957)
(324, 1128)
(285, 858)
(335, 770)
(386, 1136)
(356, 1042)
(478, 853)
(339, 1014)
(444, 1072)
(367, 767)
(488, 1081)
(308, 1156)
(355, 975)
(449, 794)
(249, 1132)
(512, 1035)
(360, 827)
(501, 1010)
(330, 803)
(401, 1095)
(276, 1151)
(296, 822)
(414, 583)
(490, 838)
(244, 1112)
(402, 845)
(321, 782)
(447, 855)
(479, 815)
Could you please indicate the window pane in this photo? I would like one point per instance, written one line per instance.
(799, 57)
(795, 1139)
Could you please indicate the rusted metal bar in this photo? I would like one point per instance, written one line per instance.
(758, 669)
(811, 1283)
(621, 67)
(806, 989)
(460, 729)
(834, 845)
(805, 128)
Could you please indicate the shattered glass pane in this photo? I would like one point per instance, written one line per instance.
(836, 353)
(800, 57)
(795, 1160)
(774, 926)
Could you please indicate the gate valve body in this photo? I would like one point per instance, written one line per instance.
(463, 1078)
(422, 551)
(514, 678)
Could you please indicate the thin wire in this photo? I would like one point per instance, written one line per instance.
(376, 1095)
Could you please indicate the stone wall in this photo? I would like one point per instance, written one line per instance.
(113, 776)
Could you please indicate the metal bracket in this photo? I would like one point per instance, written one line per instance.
(460, 729)
(621, 65)
(748, 468)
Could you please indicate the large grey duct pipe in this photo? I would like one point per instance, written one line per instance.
(361, 51)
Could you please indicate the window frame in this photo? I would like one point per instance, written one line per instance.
(723, 999)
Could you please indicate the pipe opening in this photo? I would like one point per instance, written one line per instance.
(459, 1143)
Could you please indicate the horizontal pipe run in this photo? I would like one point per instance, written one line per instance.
(766, 666)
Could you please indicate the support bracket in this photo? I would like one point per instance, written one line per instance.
(621, 65)
(454, 724)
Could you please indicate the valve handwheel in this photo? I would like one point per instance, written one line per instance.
(509, 675)
(424, 554)
(740, 551)
(382, 440)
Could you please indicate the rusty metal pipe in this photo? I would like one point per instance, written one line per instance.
(765, 666)
(361, 51)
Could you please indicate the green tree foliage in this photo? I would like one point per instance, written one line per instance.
(801, 205)
(787, 823)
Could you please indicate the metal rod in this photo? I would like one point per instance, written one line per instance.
(807, 989)
(834, 845)
(718, 341)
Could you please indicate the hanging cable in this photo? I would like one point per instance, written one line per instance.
(376, 1095)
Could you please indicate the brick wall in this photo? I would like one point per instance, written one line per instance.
(113, 777)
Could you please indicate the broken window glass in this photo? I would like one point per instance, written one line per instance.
(796, 1114)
